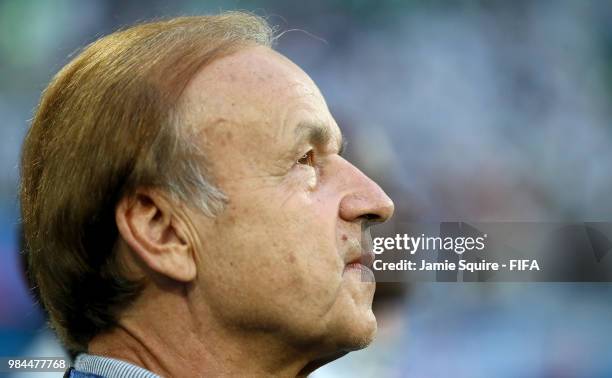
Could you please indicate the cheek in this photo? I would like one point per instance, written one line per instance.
(301, 178)
(290, 240)
(275, 248)
(310, 227)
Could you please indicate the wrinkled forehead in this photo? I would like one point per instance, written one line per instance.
(255, 86)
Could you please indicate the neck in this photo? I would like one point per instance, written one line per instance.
(161, 333)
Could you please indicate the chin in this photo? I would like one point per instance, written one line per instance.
(358, 333)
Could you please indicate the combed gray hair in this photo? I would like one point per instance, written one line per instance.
(106, 125)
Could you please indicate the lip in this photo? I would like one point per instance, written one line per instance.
(359, 257)
(367, 275)
(365, 258)
(357, 266)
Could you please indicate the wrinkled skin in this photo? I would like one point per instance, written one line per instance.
(272, 285)
(276, 257)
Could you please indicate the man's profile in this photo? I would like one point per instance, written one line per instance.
(187, 211)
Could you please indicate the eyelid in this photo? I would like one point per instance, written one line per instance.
(313, 151)
(309, 158)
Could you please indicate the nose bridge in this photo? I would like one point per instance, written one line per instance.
(363, 198)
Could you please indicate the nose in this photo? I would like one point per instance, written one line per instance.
(365, 199)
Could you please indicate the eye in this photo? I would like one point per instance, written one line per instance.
(307, 159)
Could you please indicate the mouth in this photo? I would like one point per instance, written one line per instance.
(364, 259)
(360, 259)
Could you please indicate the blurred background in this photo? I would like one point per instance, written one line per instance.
(462, 110)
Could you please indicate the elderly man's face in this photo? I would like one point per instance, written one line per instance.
(278, 257)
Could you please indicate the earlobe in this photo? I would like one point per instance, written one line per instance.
(147, 223)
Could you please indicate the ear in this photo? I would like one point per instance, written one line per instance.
(148, 224)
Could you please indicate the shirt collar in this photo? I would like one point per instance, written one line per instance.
(110, 367)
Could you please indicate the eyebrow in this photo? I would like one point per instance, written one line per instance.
(317, 135)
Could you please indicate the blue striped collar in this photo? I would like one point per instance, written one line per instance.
(109, 367)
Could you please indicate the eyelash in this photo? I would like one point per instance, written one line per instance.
(307, 159)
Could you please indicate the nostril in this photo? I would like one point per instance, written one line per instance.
(371, 217)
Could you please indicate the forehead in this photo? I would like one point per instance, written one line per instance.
(258, 92)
